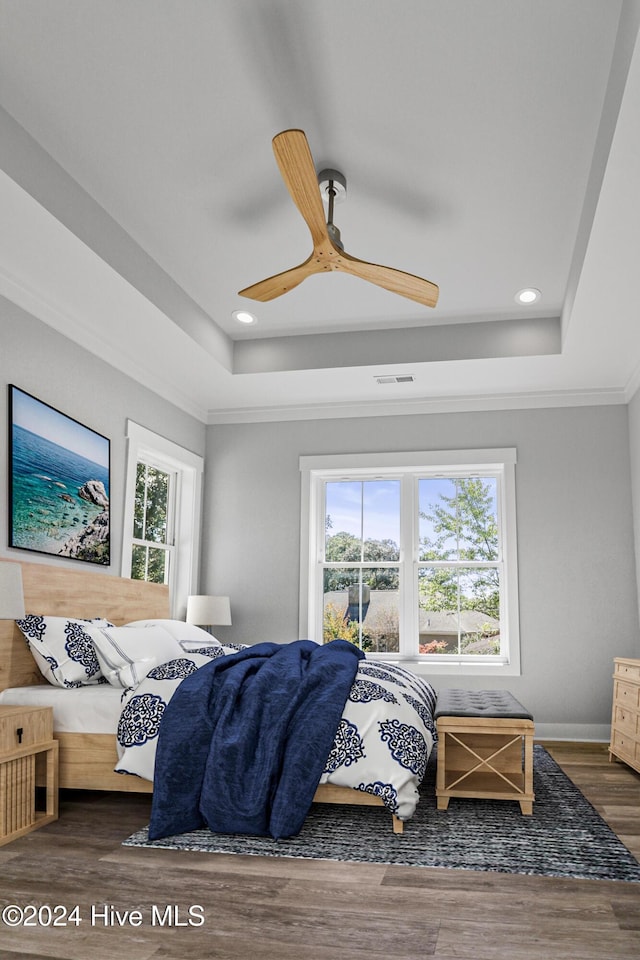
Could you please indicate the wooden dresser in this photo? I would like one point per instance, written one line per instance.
(625, 716)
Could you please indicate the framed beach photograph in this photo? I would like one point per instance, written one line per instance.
(58, 482)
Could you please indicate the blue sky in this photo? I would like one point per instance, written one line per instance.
(378, 516)
(38, 418)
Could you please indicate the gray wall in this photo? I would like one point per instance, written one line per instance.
(634, 449)
(577, 580)
(578, 589)
(42, 362)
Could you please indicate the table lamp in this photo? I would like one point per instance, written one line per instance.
(11, 593)
(205, 611)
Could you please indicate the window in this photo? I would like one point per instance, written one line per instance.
(153, 545)
(162, 514)
(413, 557)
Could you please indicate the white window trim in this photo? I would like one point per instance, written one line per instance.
(315, 469)
(143, 444)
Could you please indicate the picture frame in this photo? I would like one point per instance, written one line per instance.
(59, 482)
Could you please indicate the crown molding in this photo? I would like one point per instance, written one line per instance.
(433, 405)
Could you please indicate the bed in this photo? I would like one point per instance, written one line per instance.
(88, 747)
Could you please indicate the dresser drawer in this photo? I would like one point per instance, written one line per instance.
(626, 747)
(626, 720)
(627, 670)
(626, 695)
(24, 726)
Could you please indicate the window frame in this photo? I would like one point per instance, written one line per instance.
(147, 447)
(315, 470)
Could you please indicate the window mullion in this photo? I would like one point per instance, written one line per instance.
(408, 613)
(145, 500)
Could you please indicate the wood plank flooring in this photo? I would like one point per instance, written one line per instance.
(277, 909)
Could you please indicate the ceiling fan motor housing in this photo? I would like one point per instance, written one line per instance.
(332, 180)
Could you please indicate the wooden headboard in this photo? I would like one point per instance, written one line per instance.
(61, 591)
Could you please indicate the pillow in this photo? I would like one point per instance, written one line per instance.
(188, 635)
(211, 652)
(63, 649)
(127, 654)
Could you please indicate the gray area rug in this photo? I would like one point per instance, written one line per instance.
(565, 837)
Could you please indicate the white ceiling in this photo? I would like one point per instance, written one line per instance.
(487, 147)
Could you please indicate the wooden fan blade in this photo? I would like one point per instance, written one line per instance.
(397, 281)
(281, 283)
(298, 171)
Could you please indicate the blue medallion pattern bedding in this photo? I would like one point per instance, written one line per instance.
(385, 736)
(383, 739)
(63, 649)
(244, 740)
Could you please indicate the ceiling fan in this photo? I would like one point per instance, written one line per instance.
(299, 174)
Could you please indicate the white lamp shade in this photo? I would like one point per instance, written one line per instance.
(11, 593)
(209, 611)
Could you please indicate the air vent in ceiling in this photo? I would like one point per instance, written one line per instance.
(402, 378)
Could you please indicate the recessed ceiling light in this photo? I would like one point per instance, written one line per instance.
(528, 295)
(242, 316)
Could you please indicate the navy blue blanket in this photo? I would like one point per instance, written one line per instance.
(244, 740)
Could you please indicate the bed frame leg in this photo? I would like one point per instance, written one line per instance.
(398, 825)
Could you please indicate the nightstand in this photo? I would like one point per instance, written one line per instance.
(28, 761)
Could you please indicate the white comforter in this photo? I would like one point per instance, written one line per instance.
(382, 744)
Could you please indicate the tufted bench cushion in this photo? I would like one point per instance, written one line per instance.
(480, 703)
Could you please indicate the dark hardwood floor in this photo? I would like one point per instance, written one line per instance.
(277, 909)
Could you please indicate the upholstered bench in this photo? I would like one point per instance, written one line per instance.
(485, 747)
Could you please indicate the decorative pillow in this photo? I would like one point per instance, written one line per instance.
(63, 649)
(188, 635)
(127, 654)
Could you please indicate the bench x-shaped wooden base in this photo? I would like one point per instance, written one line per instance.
(485, 777)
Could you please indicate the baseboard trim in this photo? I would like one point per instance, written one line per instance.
(588, 732)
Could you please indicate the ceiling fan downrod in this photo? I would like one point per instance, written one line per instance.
(333, 231)
(333, 189)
